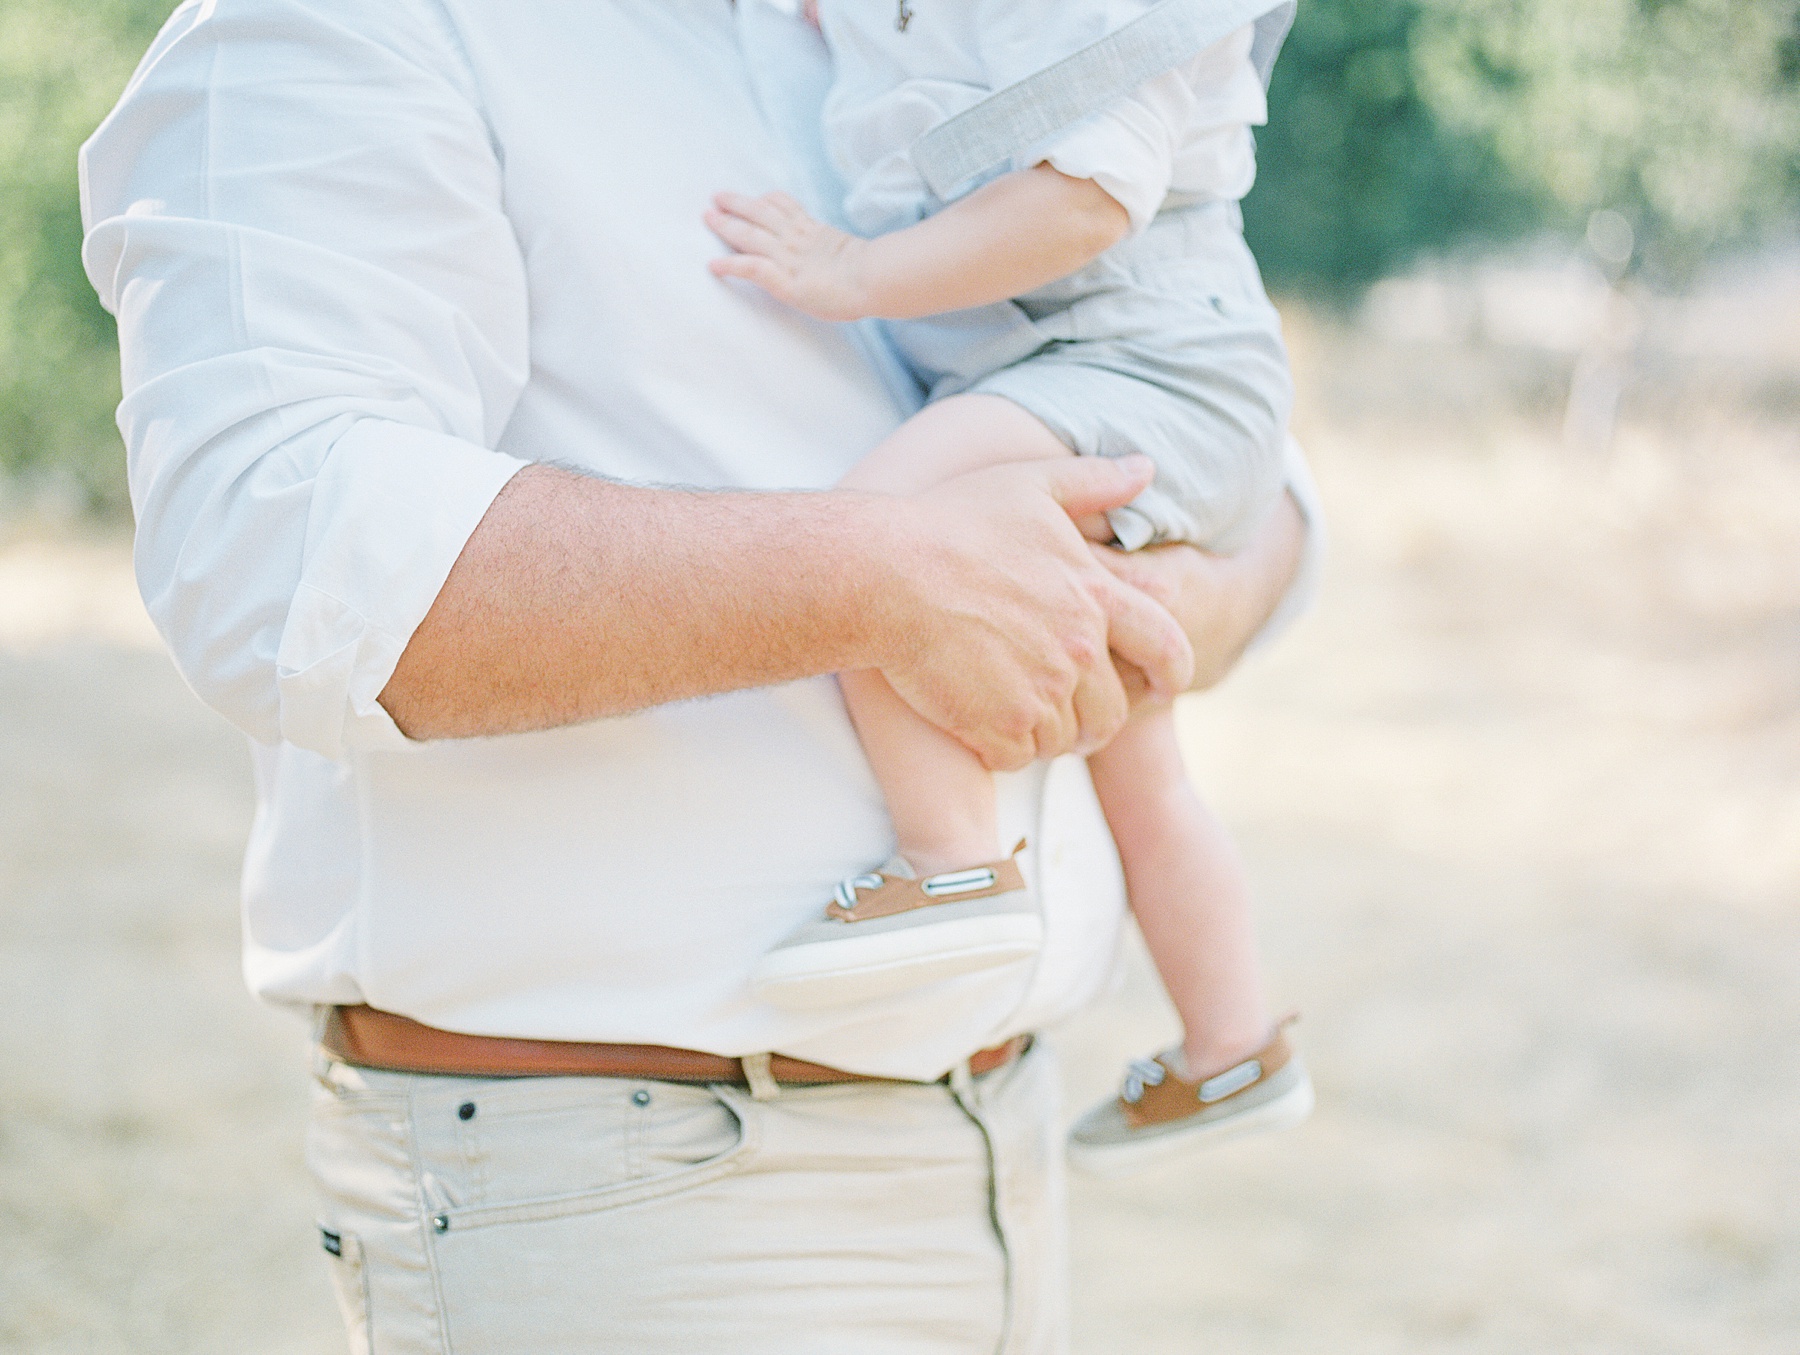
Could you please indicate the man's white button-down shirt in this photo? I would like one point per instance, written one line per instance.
(367, 261)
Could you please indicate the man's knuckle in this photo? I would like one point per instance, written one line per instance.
(1083, 649)
(1108, 722)
(1008, 755)
(1014, 723)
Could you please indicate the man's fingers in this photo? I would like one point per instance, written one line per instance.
(1101, 706)
(1126, 568)
(1144, 634)
(1093, 484)
(1143, 570)
(1058, 732)
(1131, 677)
(1001, 754)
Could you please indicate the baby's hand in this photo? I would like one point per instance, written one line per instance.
(789, 255)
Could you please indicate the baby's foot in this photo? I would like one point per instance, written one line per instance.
(1164, 1112)
(888, 931)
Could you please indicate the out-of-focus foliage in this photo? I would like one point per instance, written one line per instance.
(1403, 126)
(1397, 127)
(1357, 172)
(62, 63)
(1683, 115)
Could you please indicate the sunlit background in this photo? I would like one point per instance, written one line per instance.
(1522, 798)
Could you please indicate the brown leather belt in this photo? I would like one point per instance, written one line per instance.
(368, 1038)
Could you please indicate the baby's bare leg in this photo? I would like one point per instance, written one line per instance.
(1187, 890)
(938, 794)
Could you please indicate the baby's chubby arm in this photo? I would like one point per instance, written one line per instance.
(1022, 230)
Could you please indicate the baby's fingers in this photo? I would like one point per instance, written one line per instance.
(751, 268)
(786, 207)
(744, 236)
(775, 212)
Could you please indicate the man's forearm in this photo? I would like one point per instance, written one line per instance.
(579, 598)
(978, 599)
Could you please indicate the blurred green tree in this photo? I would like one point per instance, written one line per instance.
(1683, 116)
(61, 66)
(1399, 127)
(1357, 172)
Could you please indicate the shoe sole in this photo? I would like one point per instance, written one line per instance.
(1134, 1155)
(858, 968)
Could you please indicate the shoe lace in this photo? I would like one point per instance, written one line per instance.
(846, 890)
(1140, 1074)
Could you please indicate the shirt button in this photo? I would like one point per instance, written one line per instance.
(466, 1111)
(640, 1098)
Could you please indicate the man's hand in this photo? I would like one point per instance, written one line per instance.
(577, 598)
(1006, 622)
(1220, 601)
(796, 260)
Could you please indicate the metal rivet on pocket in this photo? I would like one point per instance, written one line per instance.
(466, 1111)
(640, 1098)
(441, 1222)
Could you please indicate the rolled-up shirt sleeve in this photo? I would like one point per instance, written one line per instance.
(295, 215)
(1190, 123)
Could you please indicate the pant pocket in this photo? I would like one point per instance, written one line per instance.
(579, 1270)
(350, 1279)
(578, 1159)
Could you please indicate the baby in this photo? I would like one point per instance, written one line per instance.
(1063, 268)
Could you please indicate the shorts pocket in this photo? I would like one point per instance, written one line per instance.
(1226, 285)
(350, 1278)
(949, 352)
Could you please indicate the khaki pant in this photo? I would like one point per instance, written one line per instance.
(551, 1216)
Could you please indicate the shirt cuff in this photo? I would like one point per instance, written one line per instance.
(392, 509)
(1127, 153)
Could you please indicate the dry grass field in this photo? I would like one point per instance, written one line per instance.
(1522, 800)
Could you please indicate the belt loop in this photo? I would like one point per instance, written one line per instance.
(321, 1061)
(962, 1082)
(763, 1086)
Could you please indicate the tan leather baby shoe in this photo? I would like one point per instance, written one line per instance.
(1161, 1114)
(890, 931)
